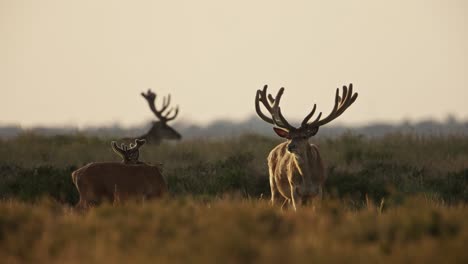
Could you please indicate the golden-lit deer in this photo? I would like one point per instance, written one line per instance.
(131, 179)
(160, 129)
(296, 170)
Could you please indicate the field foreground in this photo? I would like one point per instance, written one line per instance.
(233, 231)
(396, 199)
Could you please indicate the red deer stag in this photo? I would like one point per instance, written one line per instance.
(297, 173)
(160, 129)
(101, 181)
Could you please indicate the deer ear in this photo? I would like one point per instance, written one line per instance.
(281, 132)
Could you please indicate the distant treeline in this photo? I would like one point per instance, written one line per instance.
(227, 128)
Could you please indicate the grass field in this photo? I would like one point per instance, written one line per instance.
(400, 198)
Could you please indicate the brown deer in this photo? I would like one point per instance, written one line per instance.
(297, 173)
(160, 129)
(102, 181)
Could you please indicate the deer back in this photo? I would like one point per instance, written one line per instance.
(99, 180)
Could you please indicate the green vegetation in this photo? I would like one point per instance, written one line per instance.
(391, 167)
(401, 198)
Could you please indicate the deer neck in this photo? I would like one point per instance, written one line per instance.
(304, 166)
(154, 134)
(302, 162)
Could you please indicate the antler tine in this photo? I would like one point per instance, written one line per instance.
(261, 97)
(168, 99)
(151, 98)
(341, 104)
(284, 123)
(276, 112)
(306, 119)
(176, 112)
(271, 98)
(166, 102)
(349, 100)
(272, 105)
(267, 97)
(138, 143)
(117, 149)
(169, 112)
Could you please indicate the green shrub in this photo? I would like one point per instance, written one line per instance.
(30, 184)
(358, 168)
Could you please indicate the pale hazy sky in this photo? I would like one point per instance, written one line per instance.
(85, 62)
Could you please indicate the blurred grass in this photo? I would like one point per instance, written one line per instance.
(396, 199)
(233, 231)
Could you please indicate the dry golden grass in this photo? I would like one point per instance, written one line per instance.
(214, 213)
(232, 230)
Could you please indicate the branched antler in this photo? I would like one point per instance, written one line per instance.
(272, 106)
(341, 104)
(164, 117)
(130, 154)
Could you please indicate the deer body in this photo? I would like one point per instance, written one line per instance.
(296, 169)
(295, 177)
(98, 181)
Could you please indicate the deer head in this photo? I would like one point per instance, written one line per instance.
(160, 129)
(131, 153)
(298, 136)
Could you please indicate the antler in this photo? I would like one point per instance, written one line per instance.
(272, 105)
(121, 151)
(138, 143)
(273, 108)
(341, 104)
(129, 154)
(151, 98)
